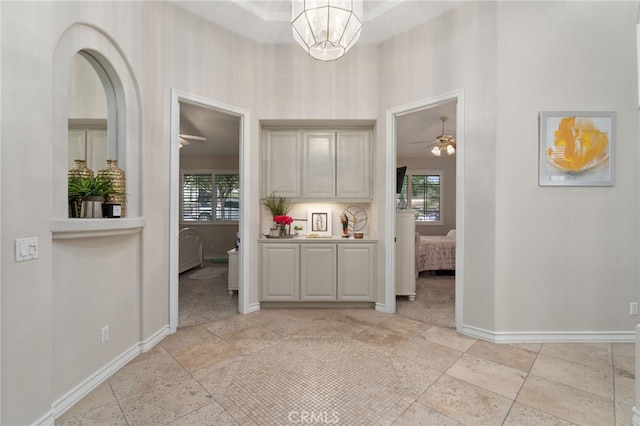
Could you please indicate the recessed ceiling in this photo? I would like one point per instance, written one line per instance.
(269, 21)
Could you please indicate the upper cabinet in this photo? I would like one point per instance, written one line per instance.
(318, 165)
(353, 165)
(281, 157)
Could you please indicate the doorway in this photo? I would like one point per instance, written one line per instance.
(198, 125)
(395, 117)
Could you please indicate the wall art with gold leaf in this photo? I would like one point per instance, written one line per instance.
(577, 148)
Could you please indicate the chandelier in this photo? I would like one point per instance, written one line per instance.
(444, 143)
(326, 29)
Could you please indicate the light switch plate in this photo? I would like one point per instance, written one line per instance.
(26, 249)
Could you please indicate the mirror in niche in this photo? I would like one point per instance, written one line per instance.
(92, 147)
(88, 113)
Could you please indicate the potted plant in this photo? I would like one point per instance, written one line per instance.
(279, 208)
(86, 195)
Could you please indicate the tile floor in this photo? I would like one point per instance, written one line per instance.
(359, 367)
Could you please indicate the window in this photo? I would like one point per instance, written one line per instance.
(422, 193)
(210, 196)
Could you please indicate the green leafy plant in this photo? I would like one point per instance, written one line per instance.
(80, 188)
(278, 206)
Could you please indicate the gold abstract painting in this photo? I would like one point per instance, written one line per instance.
(576, 148)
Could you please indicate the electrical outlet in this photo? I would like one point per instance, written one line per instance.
(104, 337)
(633, 308)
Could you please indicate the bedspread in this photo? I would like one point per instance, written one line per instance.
(435, 253)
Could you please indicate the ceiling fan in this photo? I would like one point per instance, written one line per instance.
(443, 143)
(184, 139)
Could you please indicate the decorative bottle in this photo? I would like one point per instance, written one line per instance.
(115, 175)
(81, 171)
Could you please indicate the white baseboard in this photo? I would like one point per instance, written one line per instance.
(548, 336)
(65, 402)
(253, 307)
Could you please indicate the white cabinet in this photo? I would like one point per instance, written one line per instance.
(356, 272)
(89, 144)
(280, 271)
(406, 254)
(318, 165)
(318, 272)
(323, 164)
(282, 163)
(353, 165)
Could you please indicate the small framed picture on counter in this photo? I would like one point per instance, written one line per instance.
(319, 221)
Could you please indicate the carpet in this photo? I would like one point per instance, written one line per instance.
(207, 273)
(435, 300)
(205, 298)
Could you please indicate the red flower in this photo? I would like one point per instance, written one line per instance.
(283, 220)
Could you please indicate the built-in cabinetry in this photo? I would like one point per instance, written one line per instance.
(317, 271)
(406, 253)
(88, 142)
(326, 164)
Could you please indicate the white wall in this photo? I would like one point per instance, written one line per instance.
(566, 257)
(457, 51)
(577, 278)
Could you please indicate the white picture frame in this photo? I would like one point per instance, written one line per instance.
(319, 221)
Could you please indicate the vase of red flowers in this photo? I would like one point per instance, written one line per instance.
(283, 222)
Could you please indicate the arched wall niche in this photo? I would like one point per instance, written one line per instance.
(125, 128)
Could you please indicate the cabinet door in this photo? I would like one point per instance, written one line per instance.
(356, 272)
(317, 271)
(318, 165)
(77, 146)
(279, 271)
(353, 164)
(97, 149)
(281, 158)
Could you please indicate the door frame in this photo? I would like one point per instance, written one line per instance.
(390, 198)
(178, 96)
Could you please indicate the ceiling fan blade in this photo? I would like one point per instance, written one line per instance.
(183, 141)
(193, 137)
(411, 143)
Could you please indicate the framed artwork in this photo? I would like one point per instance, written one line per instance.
(319, 221)
(577, 148)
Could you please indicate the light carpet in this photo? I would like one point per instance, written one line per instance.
(435, 300)
(204, 296)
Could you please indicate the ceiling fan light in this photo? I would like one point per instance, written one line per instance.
(436, 151)
(326, 29)
(451, 150)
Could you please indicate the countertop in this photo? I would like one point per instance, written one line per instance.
(321, 239)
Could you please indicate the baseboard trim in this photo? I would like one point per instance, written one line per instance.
(548, 336)
(253, 307)
(70, 398)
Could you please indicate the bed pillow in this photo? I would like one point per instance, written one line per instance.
(451, 233)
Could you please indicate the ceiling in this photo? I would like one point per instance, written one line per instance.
(268, 21)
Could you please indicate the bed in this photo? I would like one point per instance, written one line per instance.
(435, 253)
(190, 252)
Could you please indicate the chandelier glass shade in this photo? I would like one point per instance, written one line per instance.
(326, 29)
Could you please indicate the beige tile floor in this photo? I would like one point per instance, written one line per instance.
(359, 367)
